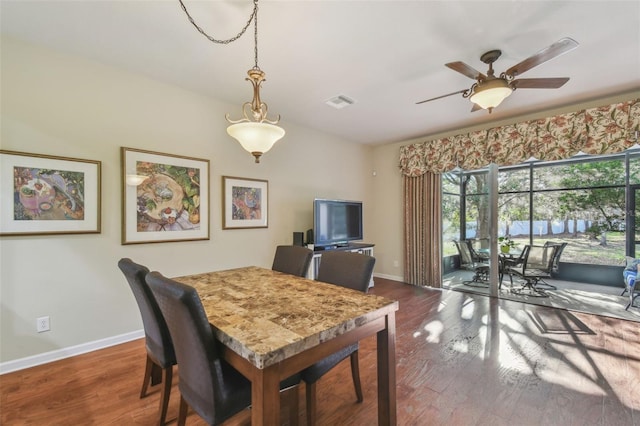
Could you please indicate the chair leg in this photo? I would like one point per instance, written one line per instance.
(165, 393)
(182, 413)
(546, 284)
(311, 403)
(156, 374)
(147, 377)
(355, 374)
(632, 297)
(530, 284)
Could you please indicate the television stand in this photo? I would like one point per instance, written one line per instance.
(364, 248)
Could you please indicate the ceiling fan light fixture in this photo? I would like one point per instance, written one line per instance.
(491, 93)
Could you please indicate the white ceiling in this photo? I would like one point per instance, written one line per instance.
(386, 55)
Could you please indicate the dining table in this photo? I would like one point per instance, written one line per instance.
(273, 325)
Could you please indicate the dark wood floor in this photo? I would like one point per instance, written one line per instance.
(462, 359)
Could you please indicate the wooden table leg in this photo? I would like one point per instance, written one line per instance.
(265, 397)
(387, 372)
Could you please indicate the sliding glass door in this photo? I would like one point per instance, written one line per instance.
(589, 202)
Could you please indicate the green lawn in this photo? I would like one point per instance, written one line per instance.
(583, 249)
(580, 249)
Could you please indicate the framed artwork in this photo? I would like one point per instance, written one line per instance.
(44, 194)
(164, 197)
(245, 203)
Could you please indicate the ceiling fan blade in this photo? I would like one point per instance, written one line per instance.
(443, 96)
(558, 48)
(465, 69)
(539, 83)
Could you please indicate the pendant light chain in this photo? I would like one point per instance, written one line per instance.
(254, 15)
(255, 34)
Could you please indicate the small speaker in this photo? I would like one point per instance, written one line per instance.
(298, 238)
(309, 236)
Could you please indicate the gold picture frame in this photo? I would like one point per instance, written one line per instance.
(165, 197)
(46, 194)
(245, 203)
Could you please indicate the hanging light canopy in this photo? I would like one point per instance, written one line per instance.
(255, 132)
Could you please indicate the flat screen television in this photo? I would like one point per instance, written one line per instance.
(336, 222)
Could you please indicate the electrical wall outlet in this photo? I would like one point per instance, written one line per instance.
(42, 324)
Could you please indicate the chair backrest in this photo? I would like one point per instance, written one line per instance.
(157, 336)
(200, 376)
(540, 259)
(556, 258)
(294, 260)
(346, 269)
(475, 255)
(466, 259)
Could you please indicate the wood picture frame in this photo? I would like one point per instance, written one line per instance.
(245, 203)
(165, 197)
(46, 194)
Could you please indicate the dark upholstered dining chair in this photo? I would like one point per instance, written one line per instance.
(346, 269)
(160, 354)
(208, 384)
(294, 260)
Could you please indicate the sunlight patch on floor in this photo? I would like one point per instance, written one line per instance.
(432, 330)
(468, 309)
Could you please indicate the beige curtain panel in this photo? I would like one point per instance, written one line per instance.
(602, 130)
(422, 229)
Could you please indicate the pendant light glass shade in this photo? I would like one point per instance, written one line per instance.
(256, 138)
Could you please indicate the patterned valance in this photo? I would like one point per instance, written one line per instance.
(602, 130)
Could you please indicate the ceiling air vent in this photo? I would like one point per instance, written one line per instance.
(340, 101)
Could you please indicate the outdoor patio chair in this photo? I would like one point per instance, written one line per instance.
(480, 269)
(476, 255)
(629, 279)
(509, 260)
(537, 264)
(634, 291)
(555, 263)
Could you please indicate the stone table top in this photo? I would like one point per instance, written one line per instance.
(267, 316)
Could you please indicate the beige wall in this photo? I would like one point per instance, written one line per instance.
(62, 105)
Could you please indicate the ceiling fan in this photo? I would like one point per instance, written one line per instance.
(488, 90)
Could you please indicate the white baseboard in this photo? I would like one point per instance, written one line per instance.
(389, 277)
(58, 354)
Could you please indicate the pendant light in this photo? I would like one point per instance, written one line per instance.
(255, 132)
